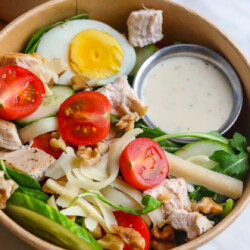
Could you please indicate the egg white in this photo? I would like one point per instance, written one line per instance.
(55, 44)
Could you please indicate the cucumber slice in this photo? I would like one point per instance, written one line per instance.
(48, 223)
(49, 106)
(199, 152)
(142, 54)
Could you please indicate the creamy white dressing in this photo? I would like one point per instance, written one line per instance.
(187, 94)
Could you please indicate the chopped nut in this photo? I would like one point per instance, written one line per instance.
(71, 217)
(102, 147)
(206, 206)
(79, 83)
(112, 242)
(130, 236)
(58, 141)
(62, 181)
(164, 239)
(7, 187)
(127, 122)
(164, 196)
(97, 232)
(89, 155)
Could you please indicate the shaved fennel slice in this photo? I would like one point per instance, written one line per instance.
(37, 128)
(90, 224)
(52, 202)
(79, 175)
(156, 216)
(107, 213)
(69, 195)
(113, 163)
(74, 211)
(119, 198)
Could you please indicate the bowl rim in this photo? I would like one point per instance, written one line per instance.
(241, 204)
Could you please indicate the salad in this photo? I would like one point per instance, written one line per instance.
(78, 166)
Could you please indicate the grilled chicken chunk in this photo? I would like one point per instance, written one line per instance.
(145, 27)
(31, 161)
(193, 223)
(9, 138)
(123, 99)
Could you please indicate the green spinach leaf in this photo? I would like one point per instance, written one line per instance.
(148, 201)
(21, 179)
(33, 192)
(34, 41)
(154, 133)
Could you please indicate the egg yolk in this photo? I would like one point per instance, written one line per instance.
(95, 54)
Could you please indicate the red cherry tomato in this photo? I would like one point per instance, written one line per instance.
(21, 92)
(135, 222)
(84, 118)
(43, 142)
(143, 163)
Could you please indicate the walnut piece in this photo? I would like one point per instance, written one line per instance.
(58, 142)
(130, 236)
(112, 242)
(163, 239)
(7, 187)
(127, 122)
(62, 181)
(206, 206)
(97, 232)
(88, 155)
(79, 83)
(102, 147)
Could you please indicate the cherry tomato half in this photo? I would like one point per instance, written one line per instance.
(143, 163)
(21, 92)
(84, 118)
(136, 222)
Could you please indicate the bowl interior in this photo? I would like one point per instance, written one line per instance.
(180, 24)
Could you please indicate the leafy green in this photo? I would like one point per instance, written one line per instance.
(227, 207)
(113, 119)
(201, 192)
(148, 201)
(235, 165)
(154, 133)
(21, 179)
(34, 193)
(34, 41)
(214, 135)
(46, 223)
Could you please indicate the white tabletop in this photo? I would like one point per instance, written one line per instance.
(234, 18)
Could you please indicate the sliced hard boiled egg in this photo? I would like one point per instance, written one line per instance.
(92, 50)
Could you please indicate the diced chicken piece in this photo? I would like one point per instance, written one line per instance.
(177, 190)
(45, 69)
(31, 161)
(193, 223)
(9, 138)
(7, 187)
(123, 99)
(145, 27)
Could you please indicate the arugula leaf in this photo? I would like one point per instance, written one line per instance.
(21, 179)
(113, 119)
(201, 192)
(235, 165)
(33, 192)
(148, 201)
(35, 39)
(214, 135)
(154, 133)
